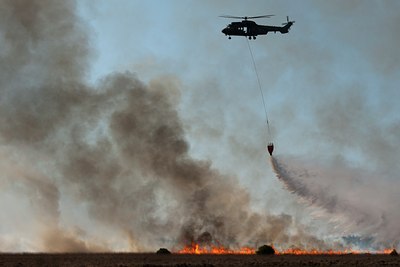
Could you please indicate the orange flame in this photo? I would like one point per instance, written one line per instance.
(197, 249)
(297, 251)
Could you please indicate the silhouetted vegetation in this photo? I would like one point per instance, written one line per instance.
(265, 250)
(163, 251)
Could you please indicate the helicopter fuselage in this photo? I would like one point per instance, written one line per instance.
(250, 29)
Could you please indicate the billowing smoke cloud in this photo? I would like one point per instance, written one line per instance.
(106, 167)
(357, 201)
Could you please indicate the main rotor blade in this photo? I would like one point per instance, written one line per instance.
(232, 17)
(245, 18)
(263, 16)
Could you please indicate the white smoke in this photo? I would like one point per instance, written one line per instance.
(355, 201)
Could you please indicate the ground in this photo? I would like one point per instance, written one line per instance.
(135, 259)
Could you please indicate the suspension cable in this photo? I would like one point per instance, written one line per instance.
(261, 92)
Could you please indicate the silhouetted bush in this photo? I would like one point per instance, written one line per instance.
(265, 250)
(163, 251)
(394, 253)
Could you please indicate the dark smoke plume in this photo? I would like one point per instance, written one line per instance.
(88, 163)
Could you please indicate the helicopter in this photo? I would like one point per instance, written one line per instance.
(251, 29)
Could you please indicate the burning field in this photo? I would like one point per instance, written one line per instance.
(197, 249)
(195, 255)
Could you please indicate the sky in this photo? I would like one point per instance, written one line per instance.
(107, 104)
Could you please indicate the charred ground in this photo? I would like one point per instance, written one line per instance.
(151, 259)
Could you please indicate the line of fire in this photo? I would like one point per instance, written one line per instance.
(198, 249)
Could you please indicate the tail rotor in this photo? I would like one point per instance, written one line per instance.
(288, 21)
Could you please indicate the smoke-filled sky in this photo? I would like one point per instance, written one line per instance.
(134, 125)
